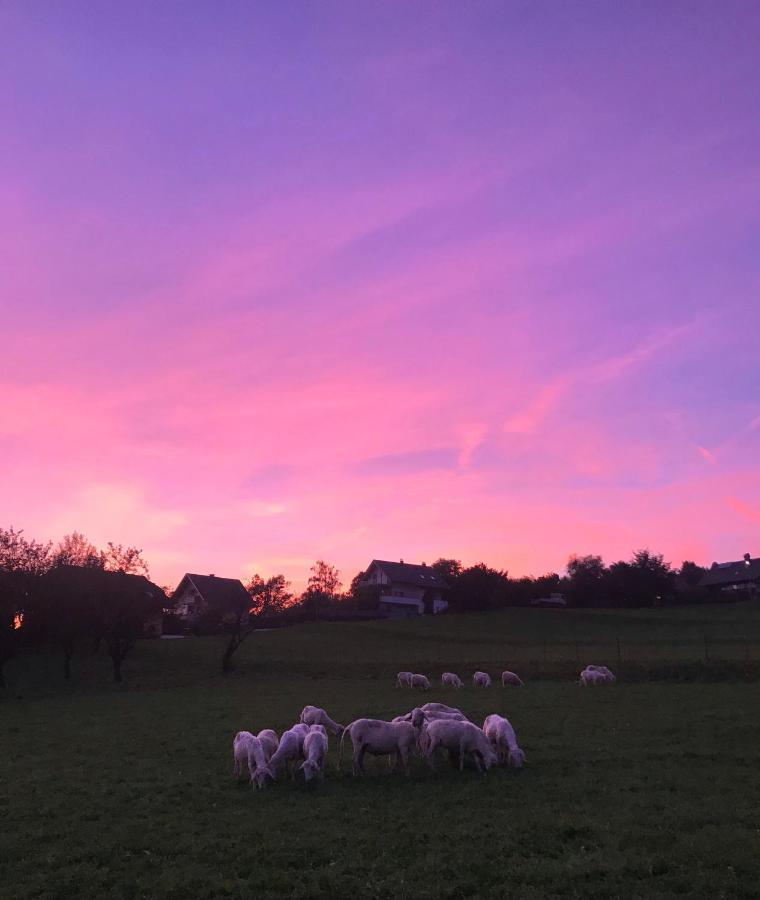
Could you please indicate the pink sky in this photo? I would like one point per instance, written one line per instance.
(289, 281)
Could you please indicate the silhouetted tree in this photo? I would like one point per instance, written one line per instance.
(690, 574)
(645, 580)
(269, 597)
(323, 587)
(479, 587)
(448, 569)
(75, 550)
(127, 560)
(22, 564)
(587, 582)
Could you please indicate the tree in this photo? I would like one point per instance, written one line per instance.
(645, 580)
(479, 587)
(690, 574)
(75, 550)
(448, 569)
(587, 581)
(127, 560)
(323, 586)
(22, 564)
(269, 597)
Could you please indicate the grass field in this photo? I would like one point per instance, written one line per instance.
(643, 789)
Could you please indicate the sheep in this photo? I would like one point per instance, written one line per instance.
(240, 747)
(481, 679)
(315, 751)
(269, 742)
(404, 679)
(379, 738)
(313, 715)
(604, 670)
(451, 679)
(511, 679)
(420, 681)
(590, 677)
(288, 752)
(462, 737)
(439, 707)
(501, 734)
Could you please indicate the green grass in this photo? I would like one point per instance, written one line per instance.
(637, 790)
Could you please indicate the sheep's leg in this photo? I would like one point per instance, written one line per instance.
(461, 757)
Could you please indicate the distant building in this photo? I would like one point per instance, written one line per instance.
(738, 580)
(197, 595)
(406, 589)
(553, 600)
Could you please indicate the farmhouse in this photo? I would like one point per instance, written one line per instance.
(196, 595)
(406, 589)
(738, 580)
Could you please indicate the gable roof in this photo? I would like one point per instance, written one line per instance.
(409, 573)
(222, 593)
(738, 572)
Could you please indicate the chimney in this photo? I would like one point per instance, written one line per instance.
(401, 561)
(212, 575)
(424, 563)
(747, 559)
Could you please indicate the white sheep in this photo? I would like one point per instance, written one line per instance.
(288, 752)
(404, 679)
(501, 734)
(269, 742)
(451, 679)
(315, 751)
(462, 738)
(313, 715)
(511, 679)
(420, 681)
(379, 738)
(440, 707)
(240, 746)
(590, 678)
(604, 670)
(481, 679)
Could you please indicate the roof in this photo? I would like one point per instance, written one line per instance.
(218, 592)
(739, 572)
(409, 573)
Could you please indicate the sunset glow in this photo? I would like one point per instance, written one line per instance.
(282, 287)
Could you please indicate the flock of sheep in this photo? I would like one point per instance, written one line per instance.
(425, 729)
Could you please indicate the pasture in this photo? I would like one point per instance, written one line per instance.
(641, 789)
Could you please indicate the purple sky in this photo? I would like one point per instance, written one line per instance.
(282, 281)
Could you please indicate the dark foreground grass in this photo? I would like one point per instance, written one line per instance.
(637, 790)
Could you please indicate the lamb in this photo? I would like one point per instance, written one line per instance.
(379, 739)
(288, 752)
(269, 742)
(501, 734)
(404, 679)
(313, 715)
(461, 737)
(512, 679)
(240, 747)
(451, 679)
(315, 751)
(420, 681)
(481, 679)
(604, 670)
(590, 677)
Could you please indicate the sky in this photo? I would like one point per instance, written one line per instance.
(299, 280)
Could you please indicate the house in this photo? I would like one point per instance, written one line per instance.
(406, 589)
(738, 580)
(198, 595)
(555, 600)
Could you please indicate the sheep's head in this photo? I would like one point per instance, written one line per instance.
(310, 770)
(262, 776)
(516, 758)
(417, 718)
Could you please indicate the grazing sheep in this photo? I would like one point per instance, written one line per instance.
(604, 670)
(590, 678)
(379, 739)
(313, 715)
(439, 707)
(240, 746)
(315, 751)
(461, 737)
(420, 681)
(269, 742)
(404, 679)
(451, 679)
(288, 752)
(511, 679)
(501, 734)
(434, 714)
(481, 679)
